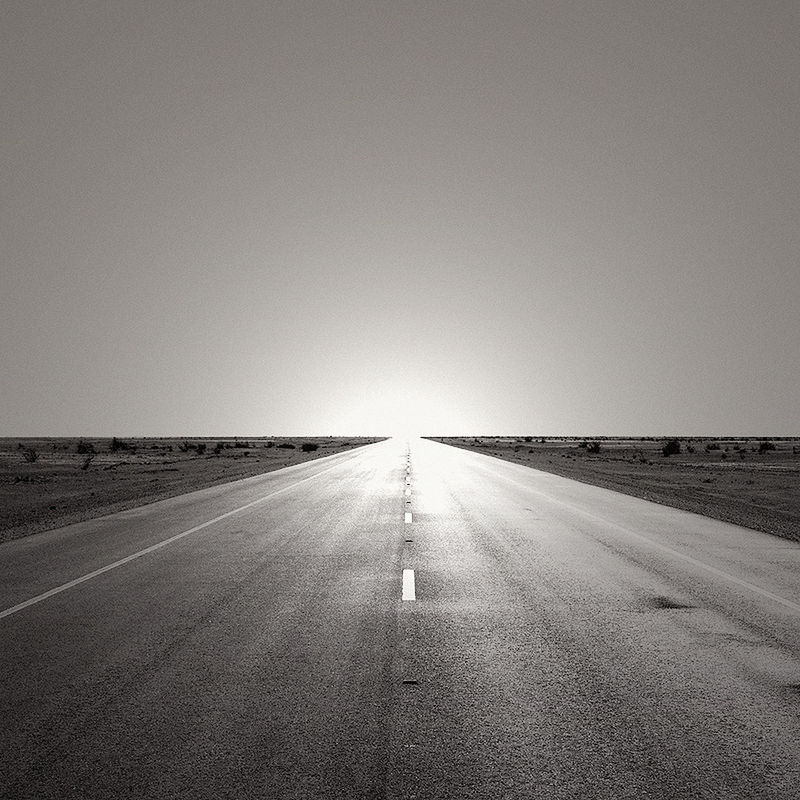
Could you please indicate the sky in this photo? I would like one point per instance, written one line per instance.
(341, 218)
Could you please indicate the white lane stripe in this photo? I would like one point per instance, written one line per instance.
(667, 549)
(39, 597)
(408, 517)
(409, 590)
(408, 492)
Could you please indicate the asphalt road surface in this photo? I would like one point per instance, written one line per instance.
(400, 621)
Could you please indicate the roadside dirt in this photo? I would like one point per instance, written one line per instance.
(76, 479)
(735, 480)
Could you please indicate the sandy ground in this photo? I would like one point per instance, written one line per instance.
(734, 480)
(75, 479)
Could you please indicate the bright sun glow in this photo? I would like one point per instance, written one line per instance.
(402, 412)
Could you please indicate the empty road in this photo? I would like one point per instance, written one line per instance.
(404, 620)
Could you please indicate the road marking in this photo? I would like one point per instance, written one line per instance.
(408, 517)
(157, 546)
(666, 549)
(408, 492)
(409, 590)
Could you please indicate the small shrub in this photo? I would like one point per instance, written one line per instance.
(309, 447)
(529, 439)
(84, 447)
(269, 444)
(201, 448)
(763, 447)
(593, 447)
(242, 445)
(671, 448)
(87, 461)
(118, 444)
(185, 447)
(286, 446)
(218, 448)
(30, 455)
(712, 446)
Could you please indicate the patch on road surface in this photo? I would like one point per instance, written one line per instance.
(665, 602)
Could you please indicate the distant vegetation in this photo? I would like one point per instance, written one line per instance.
(30, 454)
(672, 447)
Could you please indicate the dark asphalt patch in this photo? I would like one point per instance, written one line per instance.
(662, 602)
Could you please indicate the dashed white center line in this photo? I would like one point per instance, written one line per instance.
(408, 492)
(408, 517)
(409, 590)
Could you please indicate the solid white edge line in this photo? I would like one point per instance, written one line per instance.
(409, 588)
(667, 549)
(157, 546)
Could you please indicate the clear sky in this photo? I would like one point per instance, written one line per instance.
(364, 217)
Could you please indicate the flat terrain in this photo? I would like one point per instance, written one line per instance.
(77, 479)
(249, 640)
(742, 481)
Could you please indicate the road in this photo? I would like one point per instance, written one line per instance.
(404, 620)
